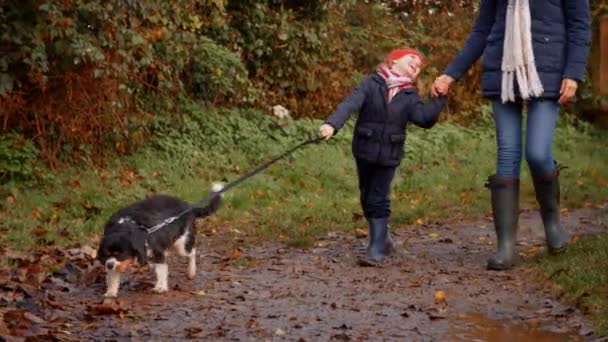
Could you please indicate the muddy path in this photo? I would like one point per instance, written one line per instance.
(270, 292)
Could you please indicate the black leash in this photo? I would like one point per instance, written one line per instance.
(312, 139)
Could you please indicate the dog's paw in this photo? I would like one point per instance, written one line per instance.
(110, 294)
(160, 289)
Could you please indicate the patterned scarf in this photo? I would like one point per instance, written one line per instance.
(518, 56)
(394, 82)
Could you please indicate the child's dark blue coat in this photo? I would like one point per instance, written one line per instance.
(379, 135)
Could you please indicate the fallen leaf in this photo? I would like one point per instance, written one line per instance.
(440, 297)
(434, 235)
(419, 221)
(601, 181)
(33, 318)
(360, 233)
(104, 175)
(36, 213)
(534, 249)
(107, 307)
(194, 330)
(39, 231)
(280, 332)
(75, 183)
(235, 254)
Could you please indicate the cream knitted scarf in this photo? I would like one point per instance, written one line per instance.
(518, 56)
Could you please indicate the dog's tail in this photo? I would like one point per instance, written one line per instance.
(213, 205)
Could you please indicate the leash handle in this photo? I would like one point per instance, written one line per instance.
(312, 139)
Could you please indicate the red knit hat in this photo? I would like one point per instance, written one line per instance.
(398, 53)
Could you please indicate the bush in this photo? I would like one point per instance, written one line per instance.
(17, 158)
(217, 74)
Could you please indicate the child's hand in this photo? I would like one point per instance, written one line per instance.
(327, 131)
(442, 85)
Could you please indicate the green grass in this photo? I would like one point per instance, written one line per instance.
(296, 200)
(312, 192)
(581, 274)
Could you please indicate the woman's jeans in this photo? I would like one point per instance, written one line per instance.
(542, 118)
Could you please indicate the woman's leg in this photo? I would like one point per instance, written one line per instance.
(508, 120)
(542, 118)
(504, 185)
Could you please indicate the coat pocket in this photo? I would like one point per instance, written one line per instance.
(549, 53)
(365, 144)
(364, 132)
(397, 141)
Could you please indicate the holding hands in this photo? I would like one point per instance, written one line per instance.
(442, 85)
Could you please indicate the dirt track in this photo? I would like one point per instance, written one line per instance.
(271, 292)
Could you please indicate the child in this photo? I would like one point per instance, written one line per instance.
(386, 100)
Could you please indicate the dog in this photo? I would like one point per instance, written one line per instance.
(126, 240)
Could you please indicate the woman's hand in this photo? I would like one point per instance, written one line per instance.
(568, 90)
(442, 85)
(327, 131)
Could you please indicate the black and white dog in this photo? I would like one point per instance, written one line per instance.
(126, 240)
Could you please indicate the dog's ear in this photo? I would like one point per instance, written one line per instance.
(138, 243)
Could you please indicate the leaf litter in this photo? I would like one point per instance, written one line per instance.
(296, 294)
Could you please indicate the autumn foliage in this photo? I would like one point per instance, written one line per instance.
(81, 78)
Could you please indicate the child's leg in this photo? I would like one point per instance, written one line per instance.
(379, 210)
(364, 173)
(378, 199)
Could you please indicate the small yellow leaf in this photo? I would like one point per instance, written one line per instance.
(235, 254)
(360, 233)
(534, 249)
(440, 297)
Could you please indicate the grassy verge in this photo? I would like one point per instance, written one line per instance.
(296, 200)
(581, 275)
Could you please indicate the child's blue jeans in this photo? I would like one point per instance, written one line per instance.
(542, 118)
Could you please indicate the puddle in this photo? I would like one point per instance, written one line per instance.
(476, 327)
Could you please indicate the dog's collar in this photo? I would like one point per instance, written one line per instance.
(128, 219)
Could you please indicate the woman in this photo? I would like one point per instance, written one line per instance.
(534, 53)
